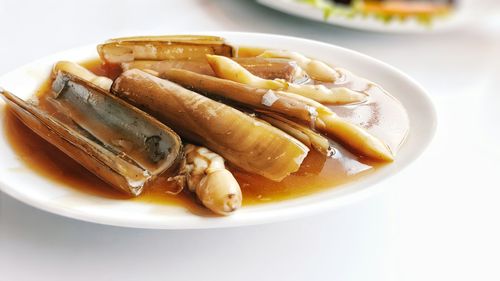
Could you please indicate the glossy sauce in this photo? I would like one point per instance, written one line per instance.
(381, 115)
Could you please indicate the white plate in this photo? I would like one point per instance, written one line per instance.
(21, 183)
(304, 10)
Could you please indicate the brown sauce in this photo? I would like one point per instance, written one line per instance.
(382, 116)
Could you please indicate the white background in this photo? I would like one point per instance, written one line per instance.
(439, 220)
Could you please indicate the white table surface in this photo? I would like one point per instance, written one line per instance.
(439, 221)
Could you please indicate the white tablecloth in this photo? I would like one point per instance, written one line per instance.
(439, 221)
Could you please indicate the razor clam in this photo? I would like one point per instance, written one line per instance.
(246, 142)
(117, 142)
(178, 47)
(231, 70)
(301, 132)
(316, 69)
(271, 68)
(83, 73)
(261, 67)
(290, 105)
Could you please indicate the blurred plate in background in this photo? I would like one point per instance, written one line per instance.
(456, 18)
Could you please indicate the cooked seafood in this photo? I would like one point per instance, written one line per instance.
(229, 69)
(204, 173)
(83, 73)
(300, 132)
(271, 68)
(256, 124)
(179, 47)
(164, 65)
(294, 106)
(244, 141)
(261, 67)
(113, 140)
(322, 94)
(290, 105)
(316, 69)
